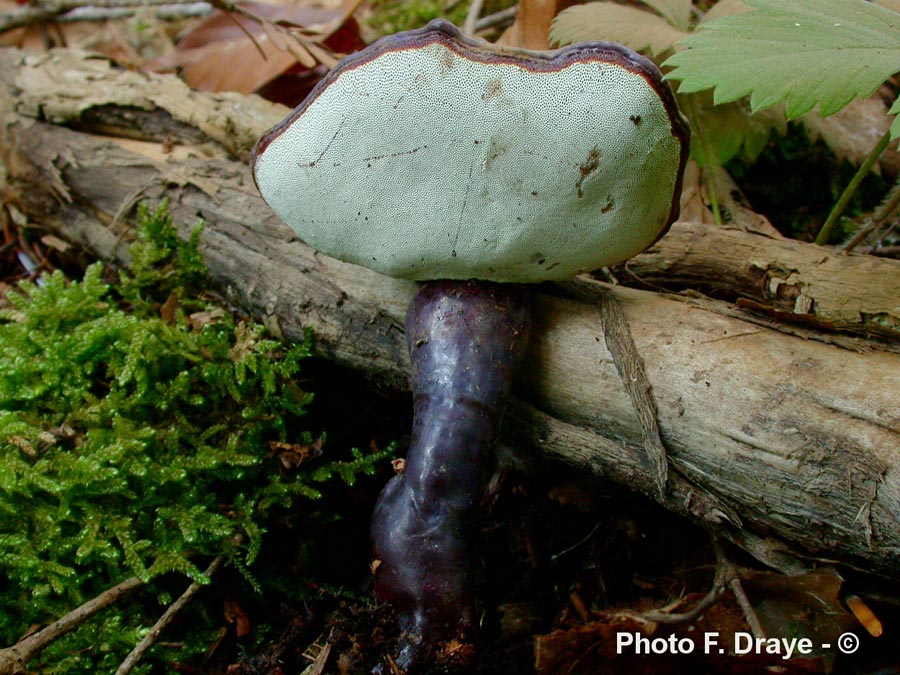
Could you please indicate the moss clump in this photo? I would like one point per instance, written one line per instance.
(137, 429)
(391, 16)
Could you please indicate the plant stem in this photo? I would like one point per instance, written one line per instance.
(711, 164)
(852, 187)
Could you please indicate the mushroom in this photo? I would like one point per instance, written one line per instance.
(436, 157)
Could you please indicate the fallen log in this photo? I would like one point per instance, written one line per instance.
(788, 444)
(781, 277)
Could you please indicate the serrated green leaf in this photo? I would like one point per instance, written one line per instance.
(632, 27)
(803, 52)
(676, 12)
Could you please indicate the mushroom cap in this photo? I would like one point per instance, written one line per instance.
(430, 155)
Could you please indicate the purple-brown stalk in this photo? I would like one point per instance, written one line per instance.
(466, 339)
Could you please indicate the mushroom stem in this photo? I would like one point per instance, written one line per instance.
(465, 340)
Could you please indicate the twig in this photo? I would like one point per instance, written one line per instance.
(307, 50)
(14, 659)
(132, 659)
(472, 16)
(571, 548)
(171, 11)
(887, 252)
(727, 576)
(663, 616)
(75, 10)
(731, 575)
(879, 217)
(67, 5)
(491, 20)
(630, 367)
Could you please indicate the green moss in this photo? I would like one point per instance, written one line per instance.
(136, 440)
(392, 16)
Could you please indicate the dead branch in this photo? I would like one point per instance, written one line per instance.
(78, 10)
(784, 278)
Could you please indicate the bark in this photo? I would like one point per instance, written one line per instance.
(780, 277)
(788, 443)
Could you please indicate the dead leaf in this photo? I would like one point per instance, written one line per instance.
(55, 242)
(693, 201)
(217, 54)
(583, 646)
(317, 667)
(807, 605)
(235, 614)
(275, 34)
(298, 50)
(198, 320)
(169, 309)
(292, 455)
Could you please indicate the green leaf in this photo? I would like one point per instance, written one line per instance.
(632, 27)
(804, 52)
(676, 12)
(726, 131)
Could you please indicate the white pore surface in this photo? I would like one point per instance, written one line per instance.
(422, 164)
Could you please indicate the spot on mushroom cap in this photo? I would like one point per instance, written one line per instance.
(430, 155)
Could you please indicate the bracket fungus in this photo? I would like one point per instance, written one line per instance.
(441, 158)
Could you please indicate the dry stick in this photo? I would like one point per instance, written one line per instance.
(472, 17)
(170, 11)
(14, 659)
(727, 576)
(731, 575)
(503, 16)
(878, 219)
(630, 367)
(50, 9)
(132, 659)
(878, 246)
(663, 616)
